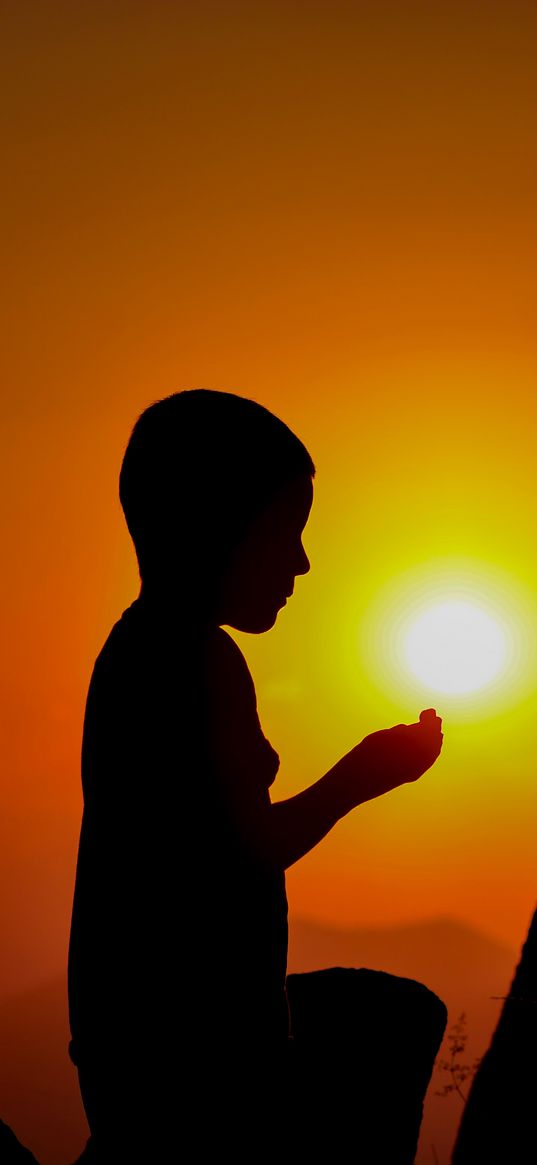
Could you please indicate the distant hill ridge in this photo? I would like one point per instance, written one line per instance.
(444, 925)
(451, 954)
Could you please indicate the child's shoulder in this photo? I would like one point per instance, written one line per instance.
(225, 646)
(139, 651)
(239, 731)
(226, 660)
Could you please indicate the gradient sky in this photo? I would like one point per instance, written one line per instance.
(329, 207)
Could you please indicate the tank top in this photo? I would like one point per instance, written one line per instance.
(179, 927)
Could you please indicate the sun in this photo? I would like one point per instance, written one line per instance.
(455, 626)
(455, 647)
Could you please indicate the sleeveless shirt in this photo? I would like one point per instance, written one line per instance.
(179, 927)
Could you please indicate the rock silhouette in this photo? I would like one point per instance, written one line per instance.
(11, 1150)
(498, 1122)
(357, 1101)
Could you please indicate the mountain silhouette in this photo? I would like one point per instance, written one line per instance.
(442, 952)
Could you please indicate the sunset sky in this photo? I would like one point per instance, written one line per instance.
(329, 207)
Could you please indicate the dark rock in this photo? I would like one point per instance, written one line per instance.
(359, 1100)
(498, 1122)
(11, 1150)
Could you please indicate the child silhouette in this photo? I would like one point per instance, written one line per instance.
(177, 963)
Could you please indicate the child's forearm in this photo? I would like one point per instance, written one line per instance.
(300, 822)
(381, 762)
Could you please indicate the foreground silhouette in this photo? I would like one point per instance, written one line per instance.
(498, 1123)
(183, 1029)
(177, 964)
(11, 1150)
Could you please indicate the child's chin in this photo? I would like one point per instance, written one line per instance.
(255, 622)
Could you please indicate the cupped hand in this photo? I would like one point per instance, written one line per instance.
(403, 753)
(389, 758)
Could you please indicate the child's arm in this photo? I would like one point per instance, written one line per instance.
(382, 761)
(283, 832)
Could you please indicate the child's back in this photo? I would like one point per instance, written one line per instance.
(179, 931)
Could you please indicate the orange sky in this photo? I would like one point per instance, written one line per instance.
(329, 207)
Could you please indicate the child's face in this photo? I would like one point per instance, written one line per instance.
(262, 573)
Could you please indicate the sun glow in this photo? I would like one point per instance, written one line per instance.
(456, 627)
(455, 647)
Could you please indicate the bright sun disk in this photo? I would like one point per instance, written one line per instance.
(455, 647)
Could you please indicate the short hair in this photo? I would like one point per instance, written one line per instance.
(200, 465)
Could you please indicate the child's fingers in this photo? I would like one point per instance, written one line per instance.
(428, 716)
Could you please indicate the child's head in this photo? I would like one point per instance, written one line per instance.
(216, 491)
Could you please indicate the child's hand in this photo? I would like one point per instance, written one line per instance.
(391, 757)
(403, 753)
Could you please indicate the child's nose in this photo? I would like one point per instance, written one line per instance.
(303, 562)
